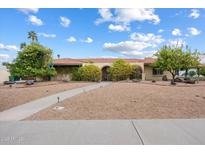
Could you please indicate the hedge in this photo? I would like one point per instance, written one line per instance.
(87, 73)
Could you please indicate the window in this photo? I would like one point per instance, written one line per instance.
(157, 71)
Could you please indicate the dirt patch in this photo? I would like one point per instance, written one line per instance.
(21, 93)
(131, 101)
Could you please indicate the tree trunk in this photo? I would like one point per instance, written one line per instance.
(186, 73)
(173, 77)
(197, 75)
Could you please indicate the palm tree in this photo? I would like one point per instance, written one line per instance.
(33, 36)
(22, 45)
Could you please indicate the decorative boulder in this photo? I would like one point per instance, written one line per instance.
(29, 82)
(164, 78)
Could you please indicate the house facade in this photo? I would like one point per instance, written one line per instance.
(65, 66)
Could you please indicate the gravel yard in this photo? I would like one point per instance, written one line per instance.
(21, 93)
(132, 101)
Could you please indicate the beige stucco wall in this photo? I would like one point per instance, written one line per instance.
(62, 77)
(4, 75)
(149, 75)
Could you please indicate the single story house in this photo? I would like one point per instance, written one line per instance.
(64, 67)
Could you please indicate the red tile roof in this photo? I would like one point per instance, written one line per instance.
(70, 61)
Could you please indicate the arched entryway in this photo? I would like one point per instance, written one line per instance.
(105, 73)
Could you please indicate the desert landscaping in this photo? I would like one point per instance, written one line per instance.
(20, 93)
(123, 100)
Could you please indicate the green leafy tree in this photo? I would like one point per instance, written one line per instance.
(33, 61)
(120, 70)
(33, 36)
(172, 59)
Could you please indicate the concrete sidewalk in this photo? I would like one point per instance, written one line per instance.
(165, 131)
(23, 111)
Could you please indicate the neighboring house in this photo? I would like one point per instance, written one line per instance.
(65, 66)
(4, 74)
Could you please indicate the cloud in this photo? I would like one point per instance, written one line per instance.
(177, 42)
(28, 10)
(128, 15)
(137, 46)
(35, 21)
(105, 14)
(176, 32)
(119, 28)
(71, 39)
(150, 38)
(160, 30)
(47, 35)
(126, 46)
(194, 14)
(88, 40)
(139, 53)
(4, 56)
(193, 31)
(64, 21)
(109, 56)
(8, 47)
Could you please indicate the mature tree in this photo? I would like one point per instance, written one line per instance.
(120, 70)
(33, 61)
(172, 59)
(22, 45)
(33, 36)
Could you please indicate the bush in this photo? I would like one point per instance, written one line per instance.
(136, 72)
(76, 75)
(192, 73)
(120, 70)
(202, 71)
(87, 73)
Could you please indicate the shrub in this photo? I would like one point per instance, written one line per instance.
(87, 73)
(202, 71)
(120, 70)
(136, 72)
(76, 76)
(192, 73)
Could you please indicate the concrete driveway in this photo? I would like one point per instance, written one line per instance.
(181, 131)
